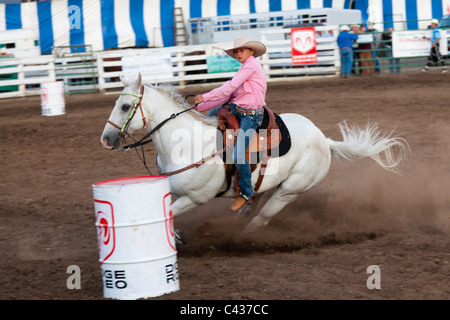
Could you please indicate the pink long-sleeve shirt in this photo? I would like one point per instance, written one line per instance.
(246, 89)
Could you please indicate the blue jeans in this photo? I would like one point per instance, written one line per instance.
(249, 124)
(214, 112)
(376, 63)
(393, 62)
(346, 61)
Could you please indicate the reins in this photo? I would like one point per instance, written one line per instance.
(193, 165)
(142, 141)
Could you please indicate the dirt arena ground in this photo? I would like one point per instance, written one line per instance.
(319, 247)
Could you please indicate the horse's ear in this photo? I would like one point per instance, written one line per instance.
(139, 80)
(124, 80)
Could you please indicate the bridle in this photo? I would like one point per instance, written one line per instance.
(137, 103)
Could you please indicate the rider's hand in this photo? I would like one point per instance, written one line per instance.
(198, 98)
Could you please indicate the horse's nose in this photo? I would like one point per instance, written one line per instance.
(105, 144)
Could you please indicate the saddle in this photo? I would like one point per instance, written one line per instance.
(262, 141)
(271, 139)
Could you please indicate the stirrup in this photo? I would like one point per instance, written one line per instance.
(248, 199)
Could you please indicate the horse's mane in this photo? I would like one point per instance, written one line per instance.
(173, 93)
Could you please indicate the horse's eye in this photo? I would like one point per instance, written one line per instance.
(126, 107)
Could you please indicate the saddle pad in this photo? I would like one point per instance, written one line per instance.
(285, 144)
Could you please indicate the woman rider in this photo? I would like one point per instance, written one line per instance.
(246, 92)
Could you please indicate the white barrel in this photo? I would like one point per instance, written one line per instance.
(52, 98)
(138, 256)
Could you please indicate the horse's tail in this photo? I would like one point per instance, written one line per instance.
(359, 143)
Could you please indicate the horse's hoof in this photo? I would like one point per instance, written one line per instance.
(249, 228)
(255, 224)
(179, 241)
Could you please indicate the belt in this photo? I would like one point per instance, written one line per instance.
(249, 111)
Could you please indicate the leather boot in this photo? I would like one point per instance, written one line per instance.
(240, 201)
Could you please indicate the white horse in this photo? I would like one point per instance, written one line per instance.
(182, 141)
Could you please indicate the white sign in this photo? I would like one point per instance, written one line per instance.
(414, 43)
(153, 66)
(365, 38)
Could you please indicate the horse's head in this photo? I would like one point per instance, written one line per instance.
(122, 121)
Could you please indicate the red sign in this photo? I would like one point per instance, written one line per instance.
(303, 42)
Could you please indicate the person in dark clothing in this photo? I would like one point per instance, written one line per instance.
(387, 42)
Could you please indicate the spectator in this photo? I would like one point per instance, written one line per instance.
(375, 45)
(356, 64)
(387, 40)
(324, 34)
(434, 57)
(365, 54)
(345, 42)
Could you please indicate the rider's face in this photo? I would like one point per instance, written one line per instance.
(242, 54)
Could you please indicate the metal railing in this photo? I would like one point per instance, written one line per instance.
(379, 58)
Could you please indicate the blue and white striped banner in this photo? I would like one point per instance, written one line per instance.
(103, 24)
(411, 11)
(106, 24)
(408, 9)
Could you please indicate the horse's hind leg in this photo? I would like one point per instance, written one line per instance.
(280, 198)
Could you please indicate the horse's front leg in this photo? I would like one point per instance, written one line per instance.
(182, 205)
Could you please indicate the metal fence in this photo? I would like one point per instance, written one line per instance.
(376, 56)
(220, 29)
(379, 59)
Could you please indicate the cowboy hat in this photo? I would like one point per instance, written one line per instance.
(246, 42)
(344, 28)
